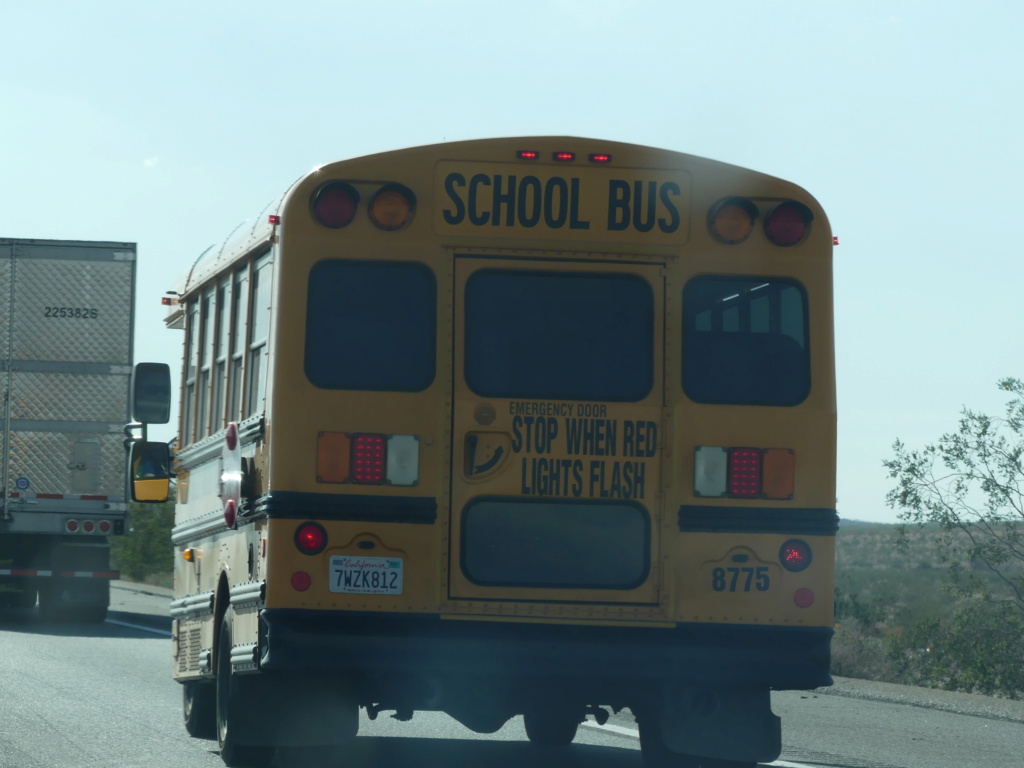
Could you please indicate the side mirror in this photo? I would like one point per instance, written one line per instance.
(150, 467)
(151, 393)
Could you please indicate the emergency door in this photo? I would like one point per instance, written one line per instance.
(557, 433)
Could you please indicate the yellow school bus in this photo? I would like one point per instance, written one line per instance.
(536, 426)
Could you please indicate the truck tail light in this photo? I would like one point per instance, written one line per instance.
(744, 473)
(367, 458)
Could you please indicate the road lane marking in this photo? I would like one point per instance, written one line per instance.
(154, 630)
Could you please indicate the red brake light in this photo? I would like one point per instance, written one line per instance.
(369, 459)
(311, 538)
(795, 555)
(334, 204)
(744, 473)
(788, 223)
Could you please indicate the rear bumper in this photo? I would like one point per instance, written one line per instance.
(605, 657)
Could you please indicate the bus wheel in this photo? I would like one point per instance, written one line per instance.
(657, 755)
(199, 702)
(233, 754)
(550, 728)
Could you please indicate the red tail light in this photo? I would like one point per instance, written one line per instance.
(301, 581)
(744, 473)
(71, 526)
(105, 526)
(311, 538)
(795, 555)
(88, 526)
(369, 459)
(334, 204)
(787, 223)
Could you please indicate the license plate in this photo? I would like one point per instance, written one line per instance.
(366, 575)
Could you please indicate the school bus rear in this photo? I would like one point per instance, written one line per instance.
(491, 485)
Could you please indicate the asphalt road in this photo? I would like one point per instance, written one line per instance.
(92, 697)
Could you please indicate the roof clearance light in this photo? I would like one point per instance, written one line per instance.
(310, 538)
(334, 204)
(564, 157)
(369, 459)
(392, 207)
(795, 555)
(732, 220)
(744, 473)
(527, 154)
(599, 157)
(788, 223)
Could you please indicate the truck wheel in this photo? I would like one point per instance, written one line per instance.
(657, 755)
(199, 705)
(233, 754)
(550, 729)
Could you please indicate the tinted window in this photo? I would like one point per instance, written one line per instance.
(557, 335)
(745, 341)
(371, 325)
(555, 544)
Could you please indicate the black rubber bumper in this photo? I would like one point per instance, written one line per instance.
(319, 642)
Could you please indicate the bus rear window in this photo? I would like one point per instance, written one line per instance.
(558, 335)
(745, 341)
(371, 326)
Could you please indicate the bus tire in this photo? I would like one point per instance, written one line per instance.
(233, 754)
(199, 705)
(550, 728)
(657, 755)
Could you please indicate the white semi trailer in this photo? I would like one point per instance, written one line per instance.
(66, 318)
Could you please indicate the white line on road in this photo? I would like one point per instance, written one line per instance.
(154, 630)
(636, 735)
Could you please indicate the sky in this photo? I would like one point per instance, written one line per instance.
(169, 124)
